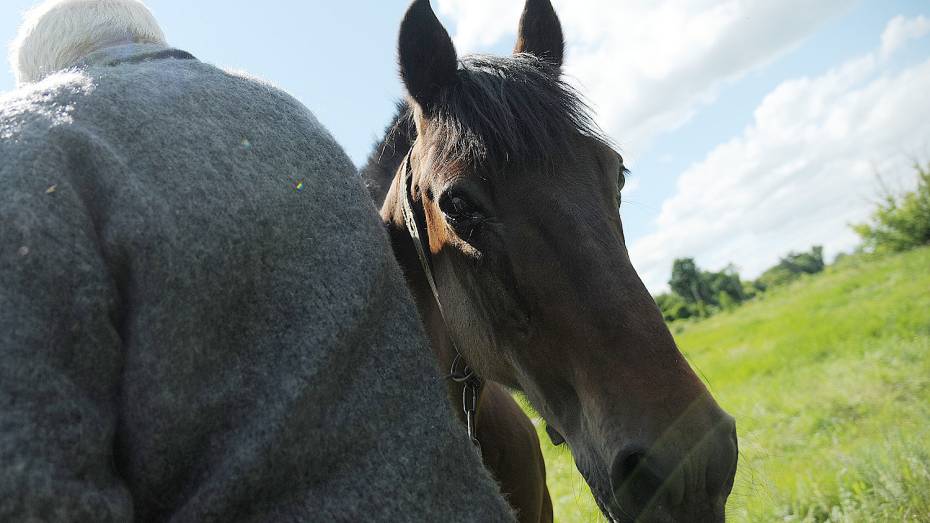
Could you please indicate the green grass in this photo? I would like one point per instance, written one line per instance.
(829, 380)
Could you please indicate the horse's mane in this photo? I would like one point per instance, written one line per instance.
(503, 113)
(388, 153)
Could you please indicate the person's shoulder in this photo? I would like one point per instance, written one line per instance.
(262, 99)
(252, 82)
(259, 88)
(238, 94)
(37, 109)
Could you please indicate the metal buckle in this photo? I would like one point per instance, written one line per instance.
(470, 406)
(460, 371)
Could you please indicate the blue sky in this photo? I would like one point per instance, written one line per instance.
(751, 130)
(852, 33)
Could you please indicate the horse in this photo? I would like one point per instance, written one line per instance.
(500, 197)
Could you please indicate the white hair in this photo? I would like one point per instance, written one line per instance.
(57, 34)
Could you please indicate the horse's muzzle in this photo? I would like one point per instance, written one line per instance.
(651, 487)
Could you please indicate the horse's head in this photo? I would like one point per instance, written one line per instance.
(517, 195)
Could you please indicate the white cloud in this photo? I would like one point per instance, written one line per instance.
(901, 29)
(480, 23)
(802, 171)
(648, 65)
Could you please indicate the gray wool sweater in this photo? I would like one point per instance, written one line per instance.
(200, 316)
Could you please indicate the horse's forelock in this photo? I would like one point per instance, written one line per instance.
(509, 113)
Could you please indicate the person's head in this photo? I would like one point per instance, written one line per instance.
(57, 34)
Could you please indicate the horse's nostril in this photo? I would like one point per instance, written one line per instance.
(625, 465)
(634, 477)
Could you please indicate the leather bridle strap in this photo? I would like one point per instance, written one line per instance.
(460, 372)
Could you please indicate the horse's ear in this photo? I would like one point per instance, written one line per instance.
(540, 32)
(428, 62)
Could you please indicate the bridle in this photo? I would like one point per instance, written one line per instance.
(460, 372)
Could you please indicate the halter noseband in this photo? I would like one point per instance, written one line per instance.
(460, 372)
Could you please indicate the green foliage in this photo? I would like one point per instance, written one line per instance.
(791, 267)
(688, 283)
(725, 283)
(750, 290)
(673, 307)
(900, 223)
(726, 301)
(699, 294)
(829, 381)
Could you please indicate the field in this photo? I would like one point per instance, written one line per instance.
(829, 380)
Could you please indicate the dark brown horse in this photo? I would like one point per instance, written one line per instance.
(494, 171)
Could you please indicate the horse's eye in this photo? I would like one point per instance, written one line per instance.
(459, 211)
(621, 182)
(459, 206)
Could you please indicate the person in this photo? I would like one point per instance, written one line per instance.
(200, 316)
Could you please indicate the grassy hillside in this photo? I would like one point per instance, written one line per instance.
(829, 379)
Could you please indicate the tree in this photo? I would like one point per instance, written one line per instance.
(900, 223)
(725, 286)
(703, 291)
(727, 302)
(673, 307)
(791, 267)
(687, 281)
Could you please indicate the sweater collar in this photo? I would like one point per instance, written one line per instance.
(132, 54)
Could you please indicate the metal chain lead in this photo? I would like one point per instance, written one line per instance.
(470, 406)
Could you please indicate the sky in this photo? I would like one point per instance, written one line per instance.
(752, 128)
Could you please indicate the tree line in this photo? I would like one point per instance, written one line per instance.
(697, 293)
(898, 223)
